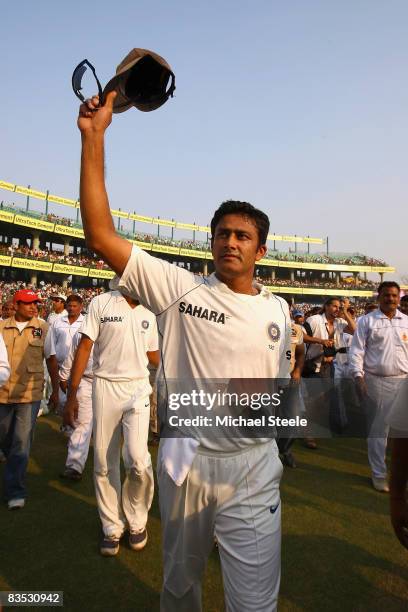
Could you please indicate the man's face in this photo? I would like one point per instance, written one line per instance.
(388, 299)
(57, 305)
(7, 310)
(25, 312)
(404, 307)
(299, 320)
(74, 308)
(235, 246)
(332, 309)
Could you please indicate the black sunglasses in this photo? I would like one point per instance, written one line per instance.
(77, 81)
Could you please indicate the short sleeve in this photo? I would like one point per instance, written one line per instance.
(155, 283)
(90, 326)
(153, 344)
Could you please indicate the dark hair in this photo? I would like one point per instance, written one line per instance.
(235, 207)
(388, 285)
(404, 298)
(74, 297)
(330, 300)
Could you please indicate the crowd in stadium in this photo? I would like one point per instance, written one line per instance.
(46, 291)
(322, 284)
(106, 393)
(352, 259)
(53, 256)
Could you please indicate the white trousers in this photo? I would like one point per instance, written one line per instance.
(78, 443)
(383, 397)
(236, 497)
(117, 414)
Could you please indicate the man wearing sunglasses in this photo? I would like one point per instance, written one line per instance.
(58, 307)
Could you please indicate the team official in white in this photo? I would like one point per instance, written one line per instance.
(379, 364)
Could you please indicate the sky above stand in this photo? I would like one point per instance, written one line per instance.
(297, 107)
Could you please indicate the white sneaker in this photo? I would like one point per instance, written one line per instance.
(109, 546)
(380, 484)
(16, 504)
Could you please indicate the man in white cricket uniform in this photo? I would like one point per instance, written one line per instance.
(79, 440)
(379, 364)
(58, 343)
(223, 327)
(124, 337)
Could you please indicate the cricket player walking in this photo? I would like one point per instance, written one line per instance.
(124, 337)
(224, 326)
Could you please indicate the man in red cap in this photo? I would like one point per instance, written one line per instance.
(20, 397)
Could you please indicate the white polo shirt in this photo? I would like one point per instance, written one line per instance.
(122, 336)
(59, 337)
(380, 345)
(208, 332)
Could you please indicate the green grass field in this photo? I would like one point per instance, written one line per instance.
(338, 549)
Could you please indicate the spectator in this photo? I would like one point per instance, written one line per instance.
(20, 397)
(8, 309)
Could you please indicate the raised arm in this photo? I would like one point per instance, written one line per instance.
(97, 220)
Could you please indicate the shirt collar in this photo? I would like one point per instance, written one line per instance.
(213, 281)
(34, 322)
(79, 319)
(380, 315)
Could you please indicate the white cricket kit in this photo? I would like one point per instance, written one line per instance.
(122, 336)
(379, 352)
(209, 332)
(78, 442)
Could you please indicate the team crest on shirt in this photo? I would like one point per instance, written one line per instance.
(145, 324)
(404, 337)
(37, 332)
(274, 332)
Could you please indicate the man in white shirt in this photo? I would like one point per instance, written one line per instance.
(58, 343)
(79, 440)
(123, 335)
(327, 333)
(221, 327)
(379, 365)
(58, 307)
